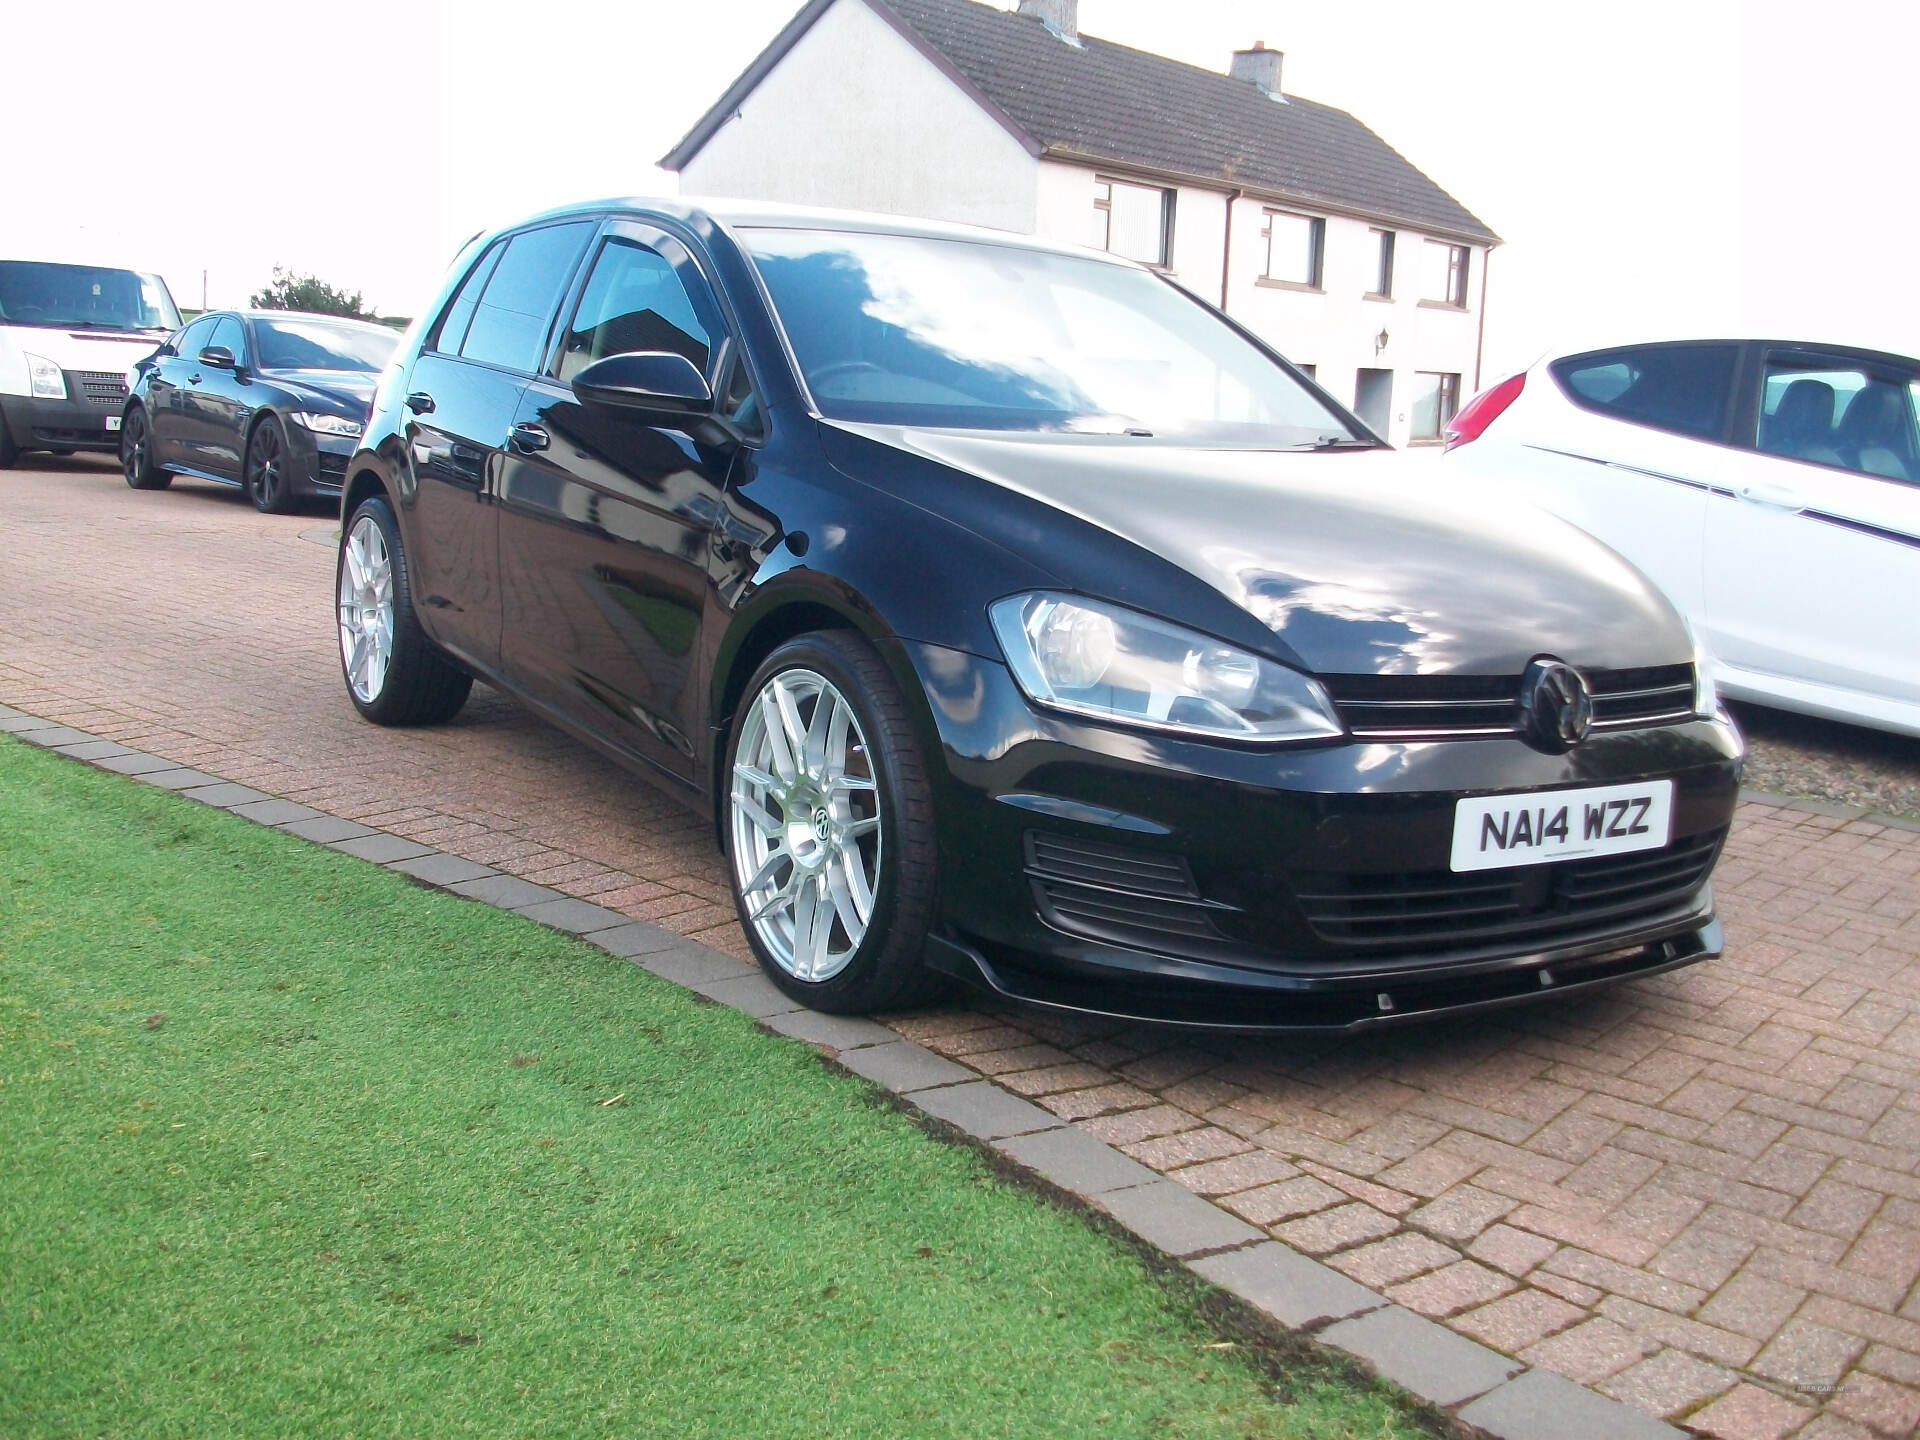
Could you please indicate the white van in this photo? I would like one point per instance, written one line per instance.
(68, 336)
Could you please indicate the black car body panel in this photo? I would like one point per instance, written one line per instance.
(624, 577)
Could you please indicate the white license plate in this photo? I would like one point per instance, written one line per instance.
(113, 422)
(1495, 832)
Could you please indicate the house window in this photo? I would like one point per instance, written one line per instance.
(1445, 281)
(1294, 248)
(1435, 399)
(1133, 220)
(1383, 266)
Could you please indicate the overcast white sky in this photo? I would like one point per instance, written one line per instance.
(1688, 166)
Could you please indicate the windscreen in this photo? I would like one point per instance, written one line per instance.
(969, 334)
(81, 297)
(322, 345)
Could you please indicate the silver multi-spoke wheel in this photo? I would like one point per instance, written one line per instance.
(366, 608)
(806, 823)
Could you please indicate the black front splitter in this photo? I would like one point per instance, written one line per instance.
(1247, 1011)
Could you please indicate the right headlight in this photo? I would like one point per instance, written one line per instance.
(1109, 663)
(45, 379)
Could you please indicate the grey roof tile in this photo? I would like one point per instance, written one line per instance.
(1100, 101)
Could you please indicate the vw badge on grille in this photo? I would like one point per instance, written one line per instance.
(1556, 708)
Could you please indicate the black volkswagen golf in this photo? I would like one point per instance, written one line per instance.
(1018, 617)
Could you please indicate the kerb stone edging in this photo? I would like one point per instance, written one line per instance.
(1483, 1389)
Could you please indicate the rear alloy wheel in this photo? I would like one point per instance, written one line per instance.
(394, 673)
(136, 452)
(267, 482)
(829, 825)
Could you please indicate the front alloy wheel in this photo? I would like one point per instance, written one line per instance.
(266, 468)
(807, 828)
(830, 829)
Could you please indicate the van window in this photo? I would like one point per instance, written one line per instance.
(510, 322)
(1684, 389)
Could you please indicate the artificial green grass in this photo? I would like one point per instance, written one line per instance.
(291, 1146)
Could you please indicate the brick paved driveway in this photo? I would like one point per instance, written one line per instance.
(1700, 1194)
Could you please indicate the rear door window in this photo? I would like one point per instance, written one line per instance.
(452, 331)
(509, 326)
(1682, 389)
(1851, 416)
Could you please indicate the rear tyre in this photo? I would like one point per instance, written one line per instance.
(830, 828)
(268, 484)
(395, 675)
(136, 452)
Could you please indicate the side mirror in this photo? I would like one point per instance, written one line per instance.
(654, 383)
(218, 356)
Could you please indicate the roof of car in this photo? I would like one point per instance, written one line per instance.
(303, 315)
(735, 214)
(1084, 101)
(1640, 341)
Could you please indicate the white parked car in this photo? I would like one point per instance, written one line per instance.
(1772, 488)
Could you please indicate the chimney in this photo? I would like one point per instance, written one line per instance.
(1062, 17)
(1259, 65)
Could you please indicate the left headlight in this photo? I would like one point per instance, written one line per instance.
(46, 380)
(1117, 665)
(326, 424)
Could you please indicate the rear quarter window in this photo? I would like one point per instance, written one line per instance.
(1681, 389)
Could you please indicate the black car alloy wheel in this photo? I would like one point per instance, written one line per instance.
(829, 827)
(266, 468)
(136, 453)
(395, 675)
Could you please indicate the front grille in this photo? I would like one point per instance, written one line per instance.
(105, 388)
(1439, 908)
(1117, 893)
(1416, 707)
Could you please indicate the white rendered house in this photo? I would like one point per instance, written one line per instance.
(1294, 217)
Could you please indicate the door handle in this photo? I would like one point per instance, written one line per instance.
(420, 403)
(528, 437)
(1778, 497)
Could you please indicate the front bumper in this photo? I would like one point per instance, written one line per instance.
(1140, 876)
(70, 424)
(317, 464)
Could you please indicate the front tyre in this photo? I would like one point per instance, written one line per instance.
(136, 452)
(830, 829)
(265, 472)
(394, 673)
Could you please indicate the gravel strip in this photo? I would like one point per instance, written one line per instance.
(1825, 760)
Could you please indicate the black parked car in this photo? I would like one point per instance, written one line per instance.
(269, 400)
(1017, 616)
